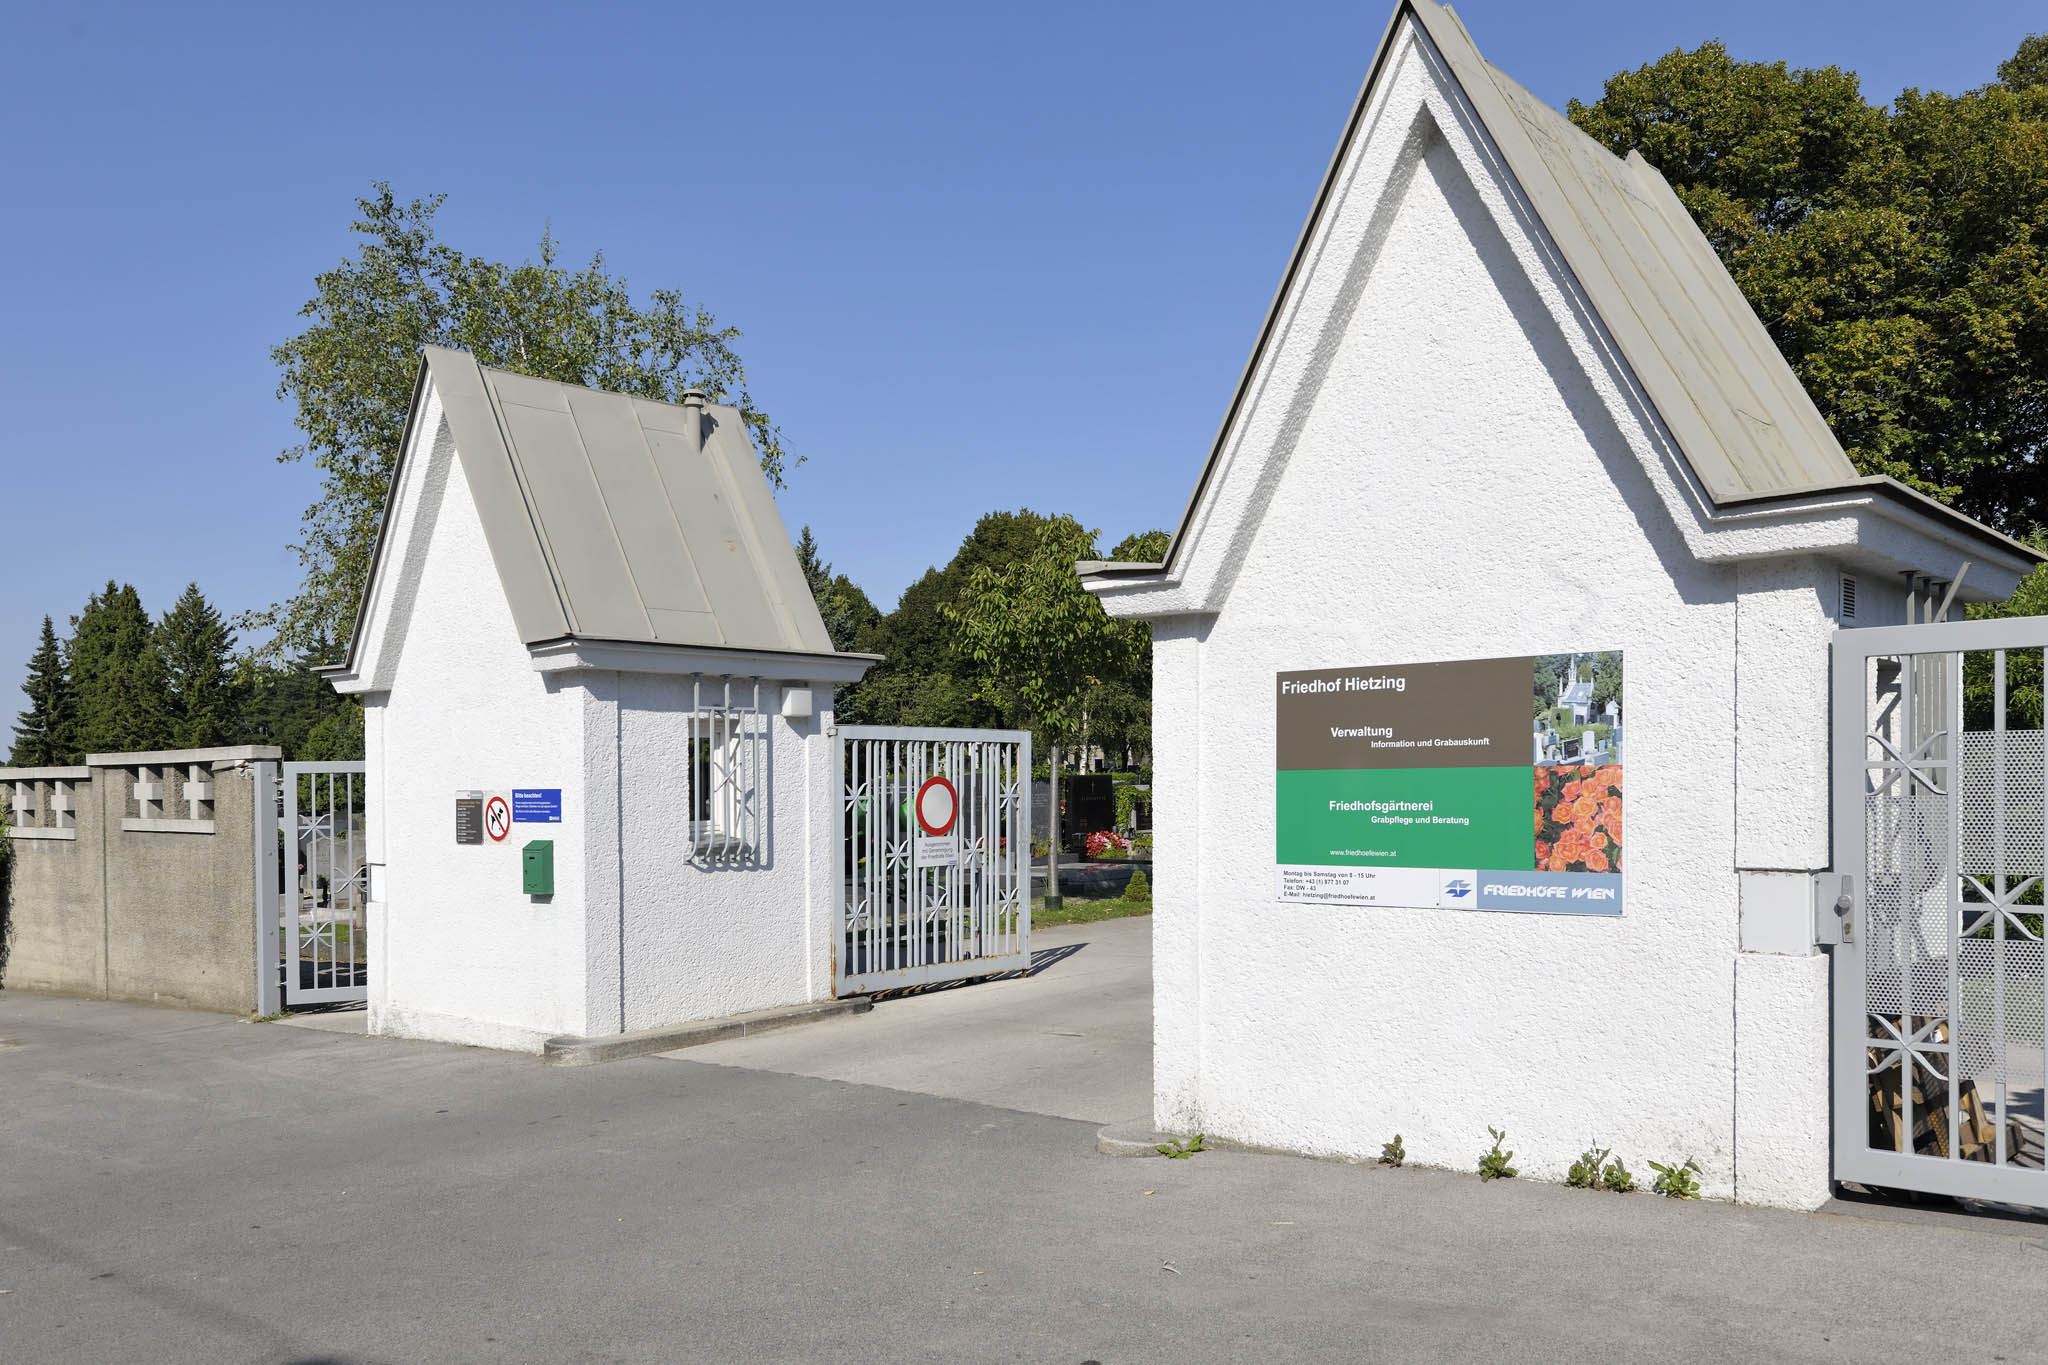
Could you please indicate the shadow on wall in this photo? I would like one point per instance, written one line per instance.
(1041, 959)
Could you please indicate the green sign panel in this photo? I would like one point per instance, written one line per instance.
(1485, 784)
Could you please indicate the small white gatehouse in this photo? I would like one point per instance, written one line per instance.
(597, 700)
(1508, 409)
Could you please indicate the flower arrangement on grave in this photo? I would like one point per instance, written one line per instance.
(1107, 843)
(1578, 818)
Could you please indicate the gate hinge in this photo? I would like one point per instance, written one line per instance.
(1834, 908)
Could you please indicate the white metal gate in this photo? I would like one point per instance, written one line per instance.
(1940, 1017)
(912, 910)
(320, 883)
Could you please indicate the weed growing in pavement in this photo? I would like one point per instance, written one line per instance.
(1585, 1172)
(1494, 1164)
(1617, 1178)
(1181, 1151)
(1393, 1153)
(1677, 1182)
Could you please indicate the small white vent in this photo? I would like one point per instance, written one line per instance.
(1848, 598)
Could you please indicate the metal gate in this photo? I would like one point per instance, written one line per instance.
(1940, 1015)
(912, 907)
(321, 883)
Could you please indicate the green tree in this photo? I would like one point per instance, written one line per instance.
(924, 677)
(848, 615)
(292, 707)
(1120, 705)
(117, 676)
(1039, 641)
(43, 733)
(1898, 256)
(349, 377)
(199, 672)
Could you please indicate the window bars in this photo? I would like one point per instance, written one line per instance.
(727, 761)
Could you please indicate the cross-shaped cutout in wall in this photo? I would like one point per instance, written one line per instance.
(24, 805)
(198, 792)
(149, 795)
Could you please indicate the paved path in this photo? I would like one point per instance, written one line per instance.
(1073, 1040)
(183, 1187)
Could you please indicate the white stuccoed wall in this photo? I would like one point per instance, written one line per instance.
(457, 952)
(635, 936)
(1433, 464)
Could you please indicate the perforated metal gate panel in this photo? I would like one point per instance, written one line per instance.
(1940, 1012)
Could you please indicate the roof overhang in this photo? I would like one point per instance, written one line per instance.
(572, 654)
(1873, 525)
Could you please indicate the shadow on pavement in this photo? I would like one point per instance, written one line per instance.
(1041, 960)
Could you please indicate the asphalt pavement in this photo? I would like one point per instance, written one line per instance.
(186, 1187)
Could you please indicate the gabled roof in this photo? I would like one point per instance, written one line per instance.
(1739, 415)
(617, 519)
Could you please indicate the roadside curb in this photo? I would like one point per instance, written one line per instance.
(1132, 1137)
(570, 1050)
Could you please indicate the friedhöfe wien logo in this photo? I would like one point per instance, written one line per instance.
(1458, 887)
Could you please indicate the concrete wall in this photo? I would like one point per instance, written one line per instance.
(635, 935)
(165, 916)
(1435, 465)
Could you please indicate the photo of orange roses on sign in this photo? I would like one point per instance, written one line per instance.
(1578, 818)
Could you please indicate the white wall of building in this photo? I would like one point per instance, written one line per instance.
(457, 951)
(1434, 465)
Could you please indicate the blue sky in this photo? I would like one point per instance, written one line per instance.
(984, 257)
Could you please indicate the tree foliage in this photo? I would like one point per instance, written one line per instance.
(349, 377)
(1898, 256)
(848, 615)
(43, 733)
(1036, 637)
(199, 678)
(117, 676)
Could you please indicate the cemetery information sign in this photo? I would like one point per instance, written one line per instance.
(1481, 784)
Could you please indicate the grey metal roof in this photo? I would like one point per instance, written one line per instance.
(1740, 416)
(619, 518)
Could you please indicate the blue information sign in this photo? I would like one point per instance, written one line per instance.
(537, 806)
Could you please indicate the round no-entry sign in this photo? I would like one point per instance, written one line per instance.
(938, 805)
(497, 819)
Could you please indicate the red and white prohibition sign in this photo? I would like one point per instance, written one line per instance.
(497, 819)
(938, 806)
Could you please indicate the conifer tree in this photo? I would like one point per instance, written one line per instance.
(197, 649)
(117, 675)
(42, 734)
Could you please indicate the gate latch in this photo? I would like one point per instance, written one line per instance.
(1834, 908)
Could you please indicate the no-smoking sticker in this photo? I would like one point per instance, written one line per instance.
(497, 819)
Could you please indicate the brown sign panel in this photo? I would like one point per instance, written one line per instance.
(1472, 713)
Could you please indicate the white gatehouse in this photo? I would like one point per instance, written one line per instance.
(1508, 412)
(597, 700)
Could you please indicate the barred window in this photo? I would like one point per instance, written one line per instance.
(727, 761)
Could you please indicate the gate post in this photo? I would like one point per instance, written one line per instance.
(269, 996)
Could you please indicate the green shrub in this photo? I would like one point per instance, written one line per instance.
(1139, 887)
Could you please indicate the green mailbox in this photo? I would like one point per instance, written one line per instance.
(539, 860)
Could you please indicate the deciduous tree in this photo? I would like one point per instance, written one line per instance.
(1898, 256)
(349, 377)
(1039, 641)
